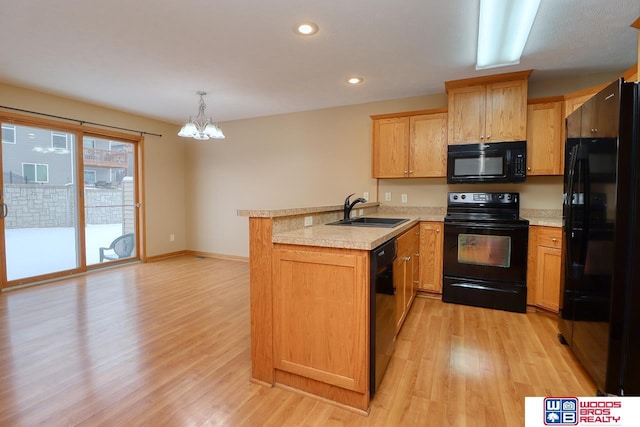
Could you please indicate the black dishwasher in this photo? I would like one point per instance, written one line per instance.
(382, 316)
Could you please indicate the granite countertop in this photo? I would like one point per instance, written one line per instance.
(367, 238)
(543, 217)
(543, 221)
(276, 213)
(346, 237)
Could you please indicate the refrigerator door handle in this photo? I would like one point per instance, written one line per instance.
(569, 221)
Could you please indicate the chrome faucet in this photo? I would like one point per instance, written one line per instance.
(348, 206)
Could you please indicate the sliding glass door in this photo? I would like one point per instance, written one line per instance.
(110, 207)
(56, 221)
(40, 196)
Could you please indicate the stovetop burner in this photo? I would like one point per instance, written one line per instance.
(484, 207)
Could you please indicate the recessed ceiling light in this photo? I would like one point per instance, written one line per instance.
(355, 80)
(307, 28)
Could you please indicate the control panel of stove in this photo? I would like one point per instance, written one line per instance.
(482, 198)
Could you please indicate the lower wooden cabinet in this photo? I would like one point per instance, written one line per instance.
(406, 268)
(544, 267)
(431, 241)
(320, 329)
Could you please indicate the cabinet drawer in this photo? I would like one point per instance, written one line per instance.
(550, 237)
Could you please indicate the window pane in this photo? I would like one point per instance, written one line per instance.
(42, 173)
(41, 234)
(89, 177)
(59, 140)
(9, 134)
(29, 172)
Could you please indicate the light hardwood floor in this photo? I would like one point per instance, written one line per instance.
(167, 343)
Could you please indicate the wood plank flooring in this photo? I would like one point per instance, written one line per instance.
(167, 343)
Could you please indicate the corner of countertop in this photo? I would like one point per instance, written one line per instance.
(274, 213)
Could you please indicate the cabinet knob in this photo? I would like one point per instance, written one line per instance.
(481, 137)
(489, 136)
(529, 168)
(407, 258)
(554, 239)
(417, 282)
(437, 230)
(406, 172)
(410, 172)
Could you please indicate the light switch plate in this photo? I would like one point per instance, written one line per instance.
(308, 220)
(365, 195)
(404, 198)
(387, 196)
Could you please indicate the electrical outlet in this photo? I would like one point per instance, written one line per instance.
(308, 221)
(404, 198)
(172, 237)
(365, 195)
(387, 196)
(360, 212)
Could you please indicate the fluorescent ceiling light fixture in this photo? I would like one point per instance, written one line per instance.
(503, 31)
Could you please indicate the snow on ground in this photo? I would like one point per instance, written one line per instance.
(35, 251)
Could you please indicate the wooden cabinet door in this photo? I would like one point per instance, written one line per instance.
(545, 139)
(401, 274)
(391, 148)
(543, 275)
(466, 114)
(415, 262)
(428, 146)
(320, 308)
(431, 241)
(548, 276)
(506, 111)
(399, 280)
(405, 272)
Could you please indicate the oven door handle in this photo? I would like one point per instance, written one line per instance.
(485, 226)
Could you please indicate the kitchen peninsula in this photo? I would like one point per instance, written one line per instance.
(309, 290)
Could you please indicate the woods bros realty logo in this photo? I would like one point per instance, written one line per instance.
(569, 411)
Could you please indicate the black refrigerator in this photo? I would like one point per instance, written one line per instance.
(599, 314)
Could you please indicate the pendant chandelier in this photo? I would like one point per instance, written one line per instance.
(201, 127)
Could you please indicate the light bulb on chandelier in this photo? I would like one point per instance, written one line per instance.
(201, 127)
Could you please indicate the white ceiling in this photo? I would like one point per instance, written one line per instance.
(150, 56)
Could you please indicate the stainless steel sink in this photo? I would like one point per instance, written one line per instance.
(365, 221)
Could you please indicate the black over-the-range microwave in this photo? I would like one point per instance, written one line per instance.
(485, 163)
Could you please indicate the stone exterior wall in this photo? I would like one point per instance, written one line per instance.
(40, 206)
(106, 206)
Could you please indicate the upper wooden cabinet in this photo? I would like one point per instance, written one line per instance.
(410, 145)
(391, 147)
(488, 109)
(545, 137)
